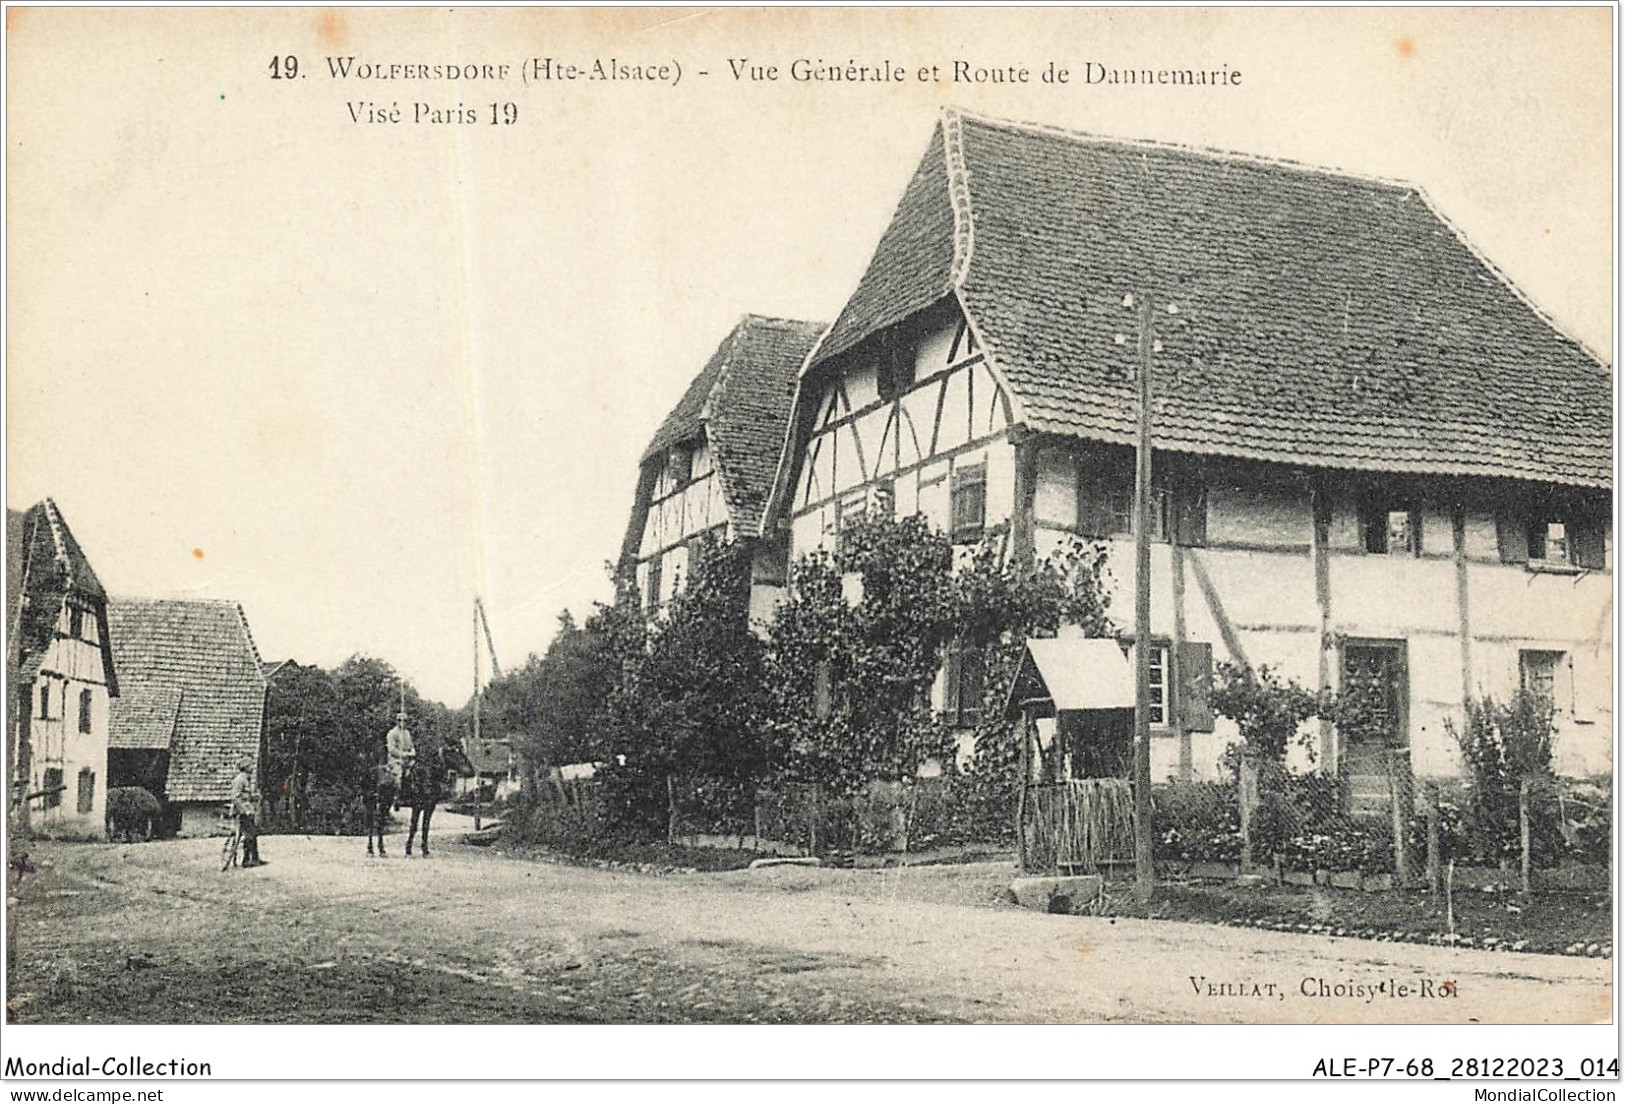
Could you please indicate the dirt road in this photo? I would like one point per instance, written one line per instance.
(155, 933)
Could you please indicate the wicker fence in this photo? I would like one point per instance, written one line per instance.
(1078, 826)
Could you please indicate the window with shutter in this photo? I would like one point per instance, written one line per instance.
(1106, 500)
(1544, 674)
(53, 787)
(1105, 496)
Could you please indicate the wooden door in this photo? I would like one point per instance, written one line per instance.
(1374, 751)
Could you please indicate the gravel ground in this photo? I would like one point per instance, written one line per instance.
(155, 933)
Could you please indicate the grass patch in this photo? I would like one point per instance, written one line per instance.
(648, 858)
(1552, 922)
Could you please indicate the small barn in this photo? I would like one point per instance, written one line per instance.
(194, 704)
(492, 767)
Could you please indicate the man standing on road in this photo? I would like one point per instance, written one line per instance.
(401, 748)
(245, 806)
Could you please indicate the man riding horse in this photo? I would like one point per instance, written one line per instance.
(401, 748)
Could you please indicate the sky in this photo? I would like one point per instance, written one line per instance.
(351, 374)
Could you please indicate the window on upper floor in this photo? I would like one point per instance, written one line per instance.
(1390, 526)
(45, 701)
(1553, 535)
(699, 464)
(849, 510)
(53, 786)
(76, 622)
(651, 599)
(1106, 499)
(84, 710)
(895, 371)
(679, 468)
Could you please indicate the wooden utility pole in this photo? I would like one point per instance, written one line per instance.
(1144, 871)
(474, 747)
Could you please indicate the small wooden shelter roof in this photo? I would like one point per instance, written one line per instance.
(1073, 673)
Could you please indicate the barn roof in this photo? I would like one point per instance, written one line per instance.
(1323, 319)
(201, 655)
(144, 716)
(741, 399)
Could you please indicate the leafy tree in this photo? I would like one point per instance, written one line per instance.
(368, 693)
(853, 652)
(301, 730)
(882, 642)
(691, 704)
(1268, 710)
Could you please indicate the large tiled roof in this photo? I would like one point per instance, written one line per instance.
(1323, 319)
(741, 399)
(201, 651)
(44, 564)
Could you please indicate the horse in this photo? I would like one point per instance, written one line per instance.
(423, 786)
(377, 798)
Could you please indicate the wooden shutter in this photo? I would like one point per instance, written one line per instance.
(823, 691)
(1196, 686)
(950, 685)
(970, 686)
(1587, 539)
(1190, 511)
(1512, 537)
(1094, 498)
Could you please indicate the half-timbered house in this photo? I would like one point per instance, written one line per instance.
(708, 470)
(1371, 452)
(60, 677)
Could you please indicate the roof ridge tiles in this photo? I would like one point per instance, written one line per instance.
(1208, 152)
